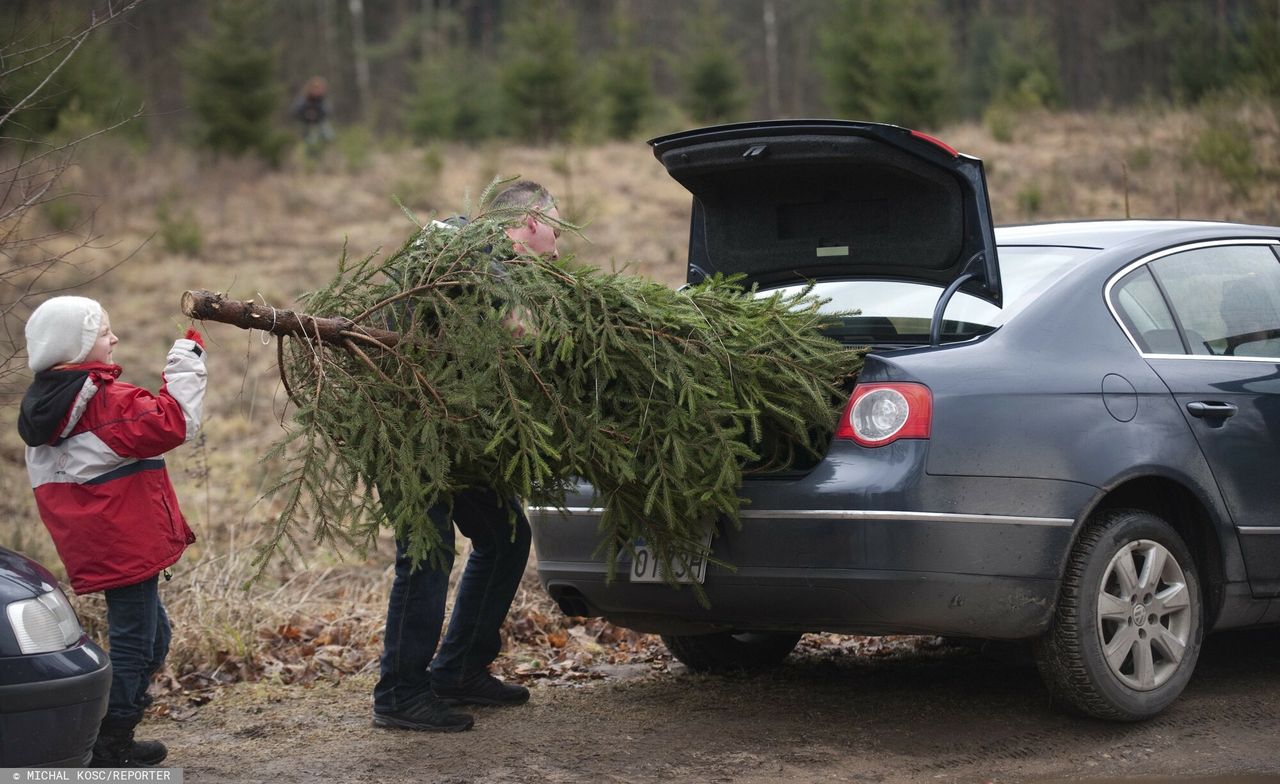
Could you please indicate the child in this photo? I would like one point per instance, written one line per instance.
(93, 453)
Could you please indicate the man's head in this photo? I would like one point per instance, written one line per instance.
(532, 235)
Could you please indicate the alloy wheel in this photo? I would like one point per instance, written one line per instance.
(1144, 615)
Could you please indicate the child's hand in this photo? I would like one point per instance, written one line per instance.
(194, 335)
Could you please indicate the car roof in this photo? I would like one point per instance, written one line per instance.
(1107, 234)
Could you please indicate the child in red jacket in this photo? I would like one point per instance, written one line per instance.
(94, 446)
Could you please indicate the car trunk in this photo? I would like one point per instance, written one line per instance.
(793, 201)
(789, 201)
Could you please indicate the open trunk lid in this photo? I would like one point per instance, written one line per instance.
(792, 200)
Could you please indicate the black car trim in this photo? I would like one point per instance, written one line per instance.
(1125, 270)
(859, 514)
(59, 692)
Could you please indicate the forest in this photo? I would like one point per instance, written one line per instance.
(223, 73)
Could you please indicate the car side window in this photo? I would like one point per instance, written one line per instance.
(1226, 298)
(1142, 308)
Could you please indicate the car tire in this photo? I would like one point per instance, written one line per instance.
(723, 651)
(1124, 640)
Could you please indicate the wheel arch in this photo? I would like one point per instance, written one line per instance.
(1200, 527)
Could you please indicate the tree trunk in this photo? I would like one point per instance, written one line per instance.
(211, 306)
(771, 60)
(359, 51)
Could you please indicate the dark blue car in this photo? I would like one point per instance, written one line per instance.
(53, 679)
(1064, 433)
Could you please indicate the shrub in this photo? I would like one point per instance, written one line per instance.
(179, 233)
(1140, 158)
(1030, 200)
(356, 144)
(63, 213)
(1000, 119)
(1224, 146)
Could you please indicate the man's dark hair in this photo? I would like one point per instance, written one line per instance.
(524, 194)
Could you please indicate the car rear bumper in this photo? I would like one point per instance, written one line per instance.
(51, 705)
(831, 570)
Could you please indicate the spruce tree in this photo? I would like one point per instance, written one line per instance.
(627, 81)
(540, 71)
(454, 98)
(662, 399)
(231, 83)
(89, 91)
(888, 61)
(710, 70)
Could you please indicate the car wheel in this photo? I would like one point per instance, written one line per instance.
(731, 650)
(1126, 632)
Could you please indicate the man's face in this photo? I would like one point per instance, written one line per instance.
(535, 237)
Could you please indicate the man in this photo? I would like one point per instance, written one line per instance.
(311, 108)
(416, 690)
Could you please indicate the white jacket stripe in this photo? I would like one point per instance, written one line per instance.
(77, 460)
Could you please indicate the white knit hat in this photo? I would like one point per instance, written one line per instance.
(62, 329)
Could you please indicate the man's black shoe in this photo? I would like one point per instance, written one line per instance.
(482, 689)
(429, 716)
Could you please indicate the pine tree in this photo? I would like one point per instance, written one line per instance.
(231, 83)
(540, 71)
(710, 70)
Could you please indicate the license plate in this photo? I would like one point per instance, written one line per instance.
(645, 567)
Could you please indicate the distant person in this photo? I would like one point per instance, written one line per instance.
(418, 685)
(94, 446)
(312, 110)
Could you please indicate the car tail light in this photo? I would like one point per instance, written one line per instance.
(947, 148)
(46, 623)
(879, 414)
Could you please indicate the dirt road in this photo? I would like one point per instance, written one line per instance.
(944, 714)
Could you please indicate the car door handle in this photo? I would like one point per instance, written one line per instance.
(1206, 409)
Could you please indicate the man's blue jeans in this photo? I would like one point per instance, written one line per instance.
(138, 630)
(415, 612)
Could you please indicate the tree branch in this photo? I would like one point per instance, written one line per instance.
(212, 306)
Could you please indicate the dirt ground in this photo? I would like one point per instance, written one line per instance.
(936, 714)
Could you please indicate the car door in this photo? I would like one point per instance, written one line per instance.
(1207, 319)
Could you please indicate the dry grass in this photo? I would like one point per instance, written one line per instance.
(277, 234)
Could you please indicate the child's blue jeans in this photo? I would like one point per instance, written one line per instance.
(139, 633)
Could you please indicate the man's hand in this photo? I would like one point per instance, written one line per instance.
(520, 323)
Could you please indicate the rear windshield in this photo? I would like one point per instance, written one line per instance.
(889, 310)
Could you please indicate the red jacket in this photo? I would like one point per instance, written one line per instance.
(93, 455)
